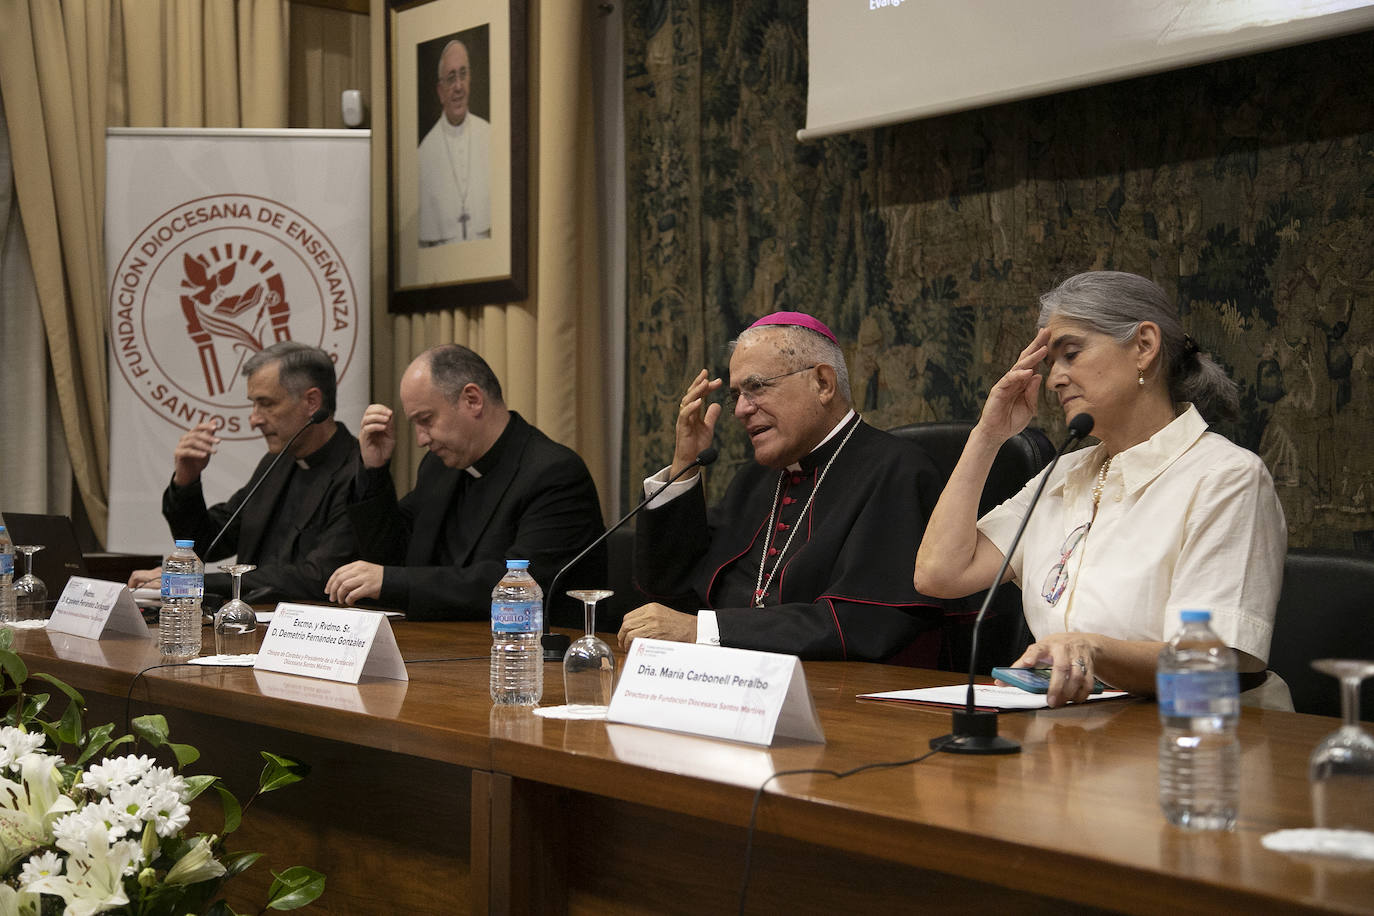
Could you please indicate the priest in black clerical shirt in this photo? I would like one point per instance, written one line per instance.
(295, 528)
(491, 488)
(810, 550)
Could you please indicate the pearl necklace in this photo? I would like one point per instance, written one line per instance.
(1098, 487)
(760, 586)
(1101, 482)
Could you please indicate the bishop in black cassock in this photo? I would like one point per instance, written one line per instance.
(810, 551)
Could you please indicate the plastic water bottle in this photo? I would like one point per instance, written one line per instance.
(517, 622)
(1199, 704)
(9, 613)
(183, 587)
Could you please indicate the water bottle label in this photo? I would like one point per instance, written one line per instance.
(6, 564)
(1198, 693)
(516, 617)
(182, 585)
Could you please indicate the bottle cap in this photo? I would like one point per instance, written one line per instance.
(185, 542)
(1195, 616)
(517, 564)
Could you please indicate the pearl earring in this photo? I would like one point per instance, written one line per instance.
(1141, 380)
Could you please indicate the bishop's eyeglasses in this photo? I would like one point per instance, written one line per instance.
(753, 388)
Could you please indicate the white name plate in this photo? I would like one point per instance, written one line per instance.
(90, 608)
(331, 643)
(737, 694)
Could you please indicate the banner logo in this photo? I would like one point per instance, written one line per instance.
(208, 284)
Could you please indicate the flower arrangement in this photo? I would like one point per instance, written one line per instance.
(107, 836)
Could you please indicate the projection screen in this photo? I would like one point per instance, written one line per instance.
(876, 62)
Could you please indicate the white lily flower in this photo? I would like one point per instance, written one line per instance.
(30, 806)
(17, 903)
(95, 868)
(199, 864)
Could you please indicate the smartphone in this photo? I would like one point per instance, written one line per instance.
(1033, 680)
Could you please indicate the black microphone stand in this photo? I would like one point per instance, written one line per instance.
(318, 416)
(556, 644)
(975, 731)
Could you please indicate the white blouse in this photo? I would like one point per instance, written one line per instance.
(1186, 520)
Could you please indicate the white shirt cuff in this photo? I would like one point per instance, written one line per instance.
(708, 631)
(674, 490)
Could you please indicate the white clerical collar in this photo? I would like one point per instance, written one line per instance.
(473, 471)
(454, 131)
(796, 465)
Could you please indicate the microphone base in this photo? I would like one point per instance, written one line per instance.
(974, 733)
(555, 646)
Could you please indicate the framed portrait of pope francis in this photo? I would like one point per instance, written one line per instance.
(457, 152)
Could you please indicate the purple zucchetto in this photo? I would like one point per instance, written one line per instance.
(797, 319)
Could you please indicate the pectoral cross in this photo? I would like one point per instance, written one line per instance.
(463, 219)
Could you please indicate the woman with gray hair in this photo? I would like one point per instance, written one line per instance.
(1160, 516)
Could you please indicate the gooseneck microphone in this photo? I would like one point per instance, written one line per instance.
(975, 732)
(556, 644)
(318, 416)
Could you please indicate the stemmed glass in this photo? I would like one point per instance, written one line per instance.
(1342, 766)
(30, 594)
(589, 665)
(236, 624)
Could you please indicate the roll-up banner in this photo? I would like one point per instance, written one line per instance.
(220, 243)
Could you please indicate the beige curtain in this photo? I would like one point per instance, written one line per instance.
(549, 350)
(35, 475)
(330, 52)
(72, 69)
(53, 58)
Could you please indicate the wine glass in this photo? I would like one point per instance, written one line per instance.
(30, 594)
(1341, 769)
(589, 665)
(236, 624)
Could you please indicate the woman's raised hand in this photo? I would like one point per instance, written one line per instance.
(1011, 402)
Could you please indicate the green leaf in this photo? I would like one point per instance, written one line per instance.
(237, 863)
(72, 693)
(185, 753)
(233, 811)
(220, 909)
(94, 741)
(69, 727)
(14, 665)
(34, 706)
(294, 888)
(152, 729)
(122, 739)
(198, 784)
(280, 772)
(7, 638)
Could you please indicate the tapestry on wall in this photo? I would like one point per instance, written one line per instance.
(1245, 188)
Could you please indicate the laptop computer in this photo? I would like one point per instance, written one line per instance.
(60, 558)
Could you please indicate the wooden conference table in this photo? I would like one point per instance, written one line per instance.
(426, 799)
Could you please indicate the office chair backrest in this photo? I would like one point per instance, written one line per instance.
(1021, 457)
(1324, 612)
